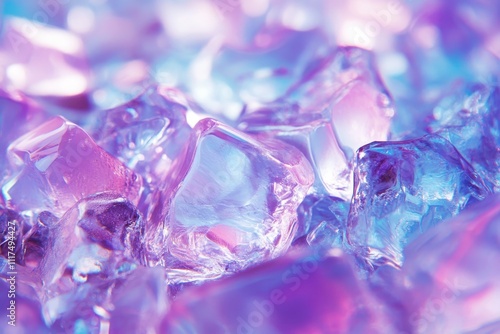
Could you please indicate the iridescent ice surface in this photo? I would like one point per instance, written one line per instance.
(232, 203)
(313, 135)
(402, 189)
(96, 244)
(249, 166)
(59, 164)
(342, 95)
(470, 120)
(146, 133)
(322, 221)
(346, 83)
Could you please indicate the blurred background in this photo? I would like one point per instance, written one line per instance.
(226, 54)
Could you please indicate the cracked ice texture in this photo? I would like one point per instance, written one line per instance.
(470, 120)
(453, 269)
(404, 188)
(146, 133)
(322, 221)
(232, 202)
(93, 247)
(297, 293)
(95, 229)
(59, 165)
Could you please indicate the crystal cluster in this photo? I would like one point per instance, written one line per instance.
(238, 167)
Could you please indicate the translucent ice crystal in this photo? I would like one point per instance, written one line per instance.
(146, 133)
(322, 220)
(232, 203)
(100, 229)
(470, 120)
(60, 164)
(313, 135)
(346, 85)
(95, 246)
(404, 188)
